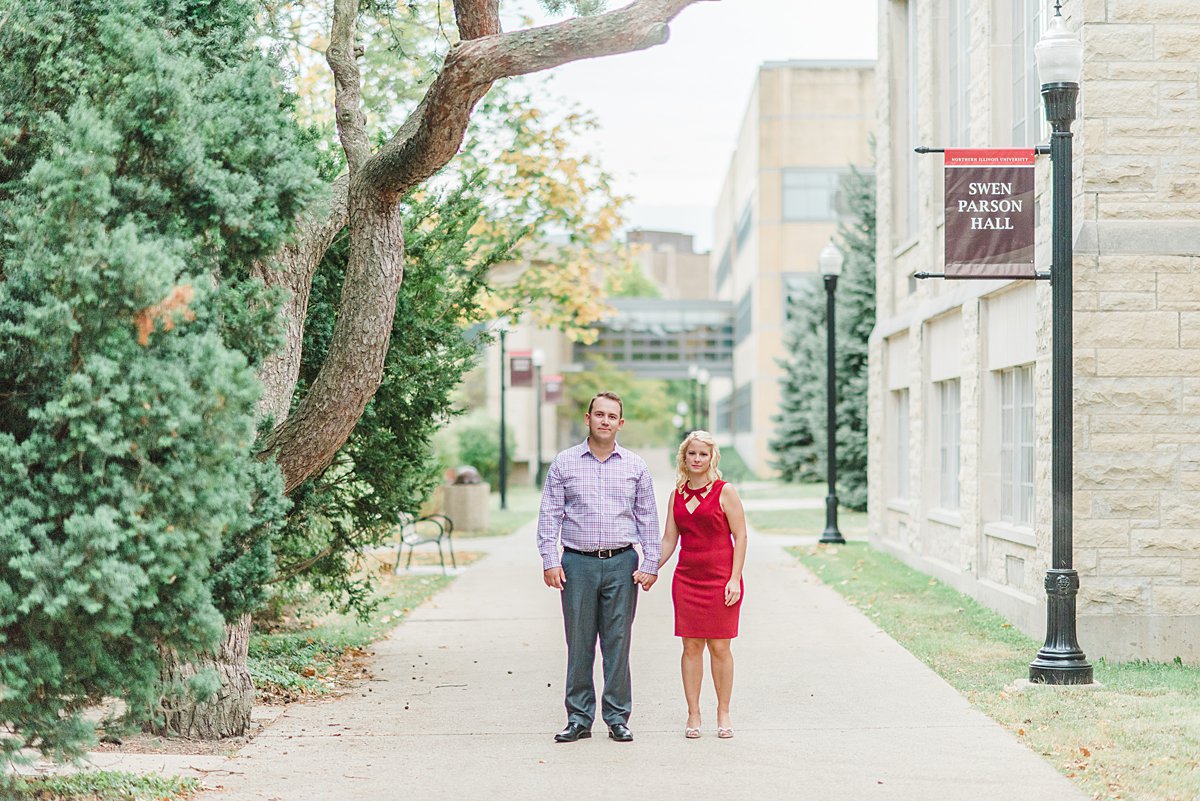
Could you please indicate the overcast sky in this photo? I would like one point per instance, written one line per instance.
(669, 115)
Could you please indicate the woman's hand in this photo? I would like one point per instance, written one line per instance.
(733, 592)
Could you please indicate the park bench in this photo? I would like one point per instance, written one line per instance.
(431, 529)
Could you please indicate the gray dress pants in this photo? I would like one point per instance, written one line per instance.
(598, 602)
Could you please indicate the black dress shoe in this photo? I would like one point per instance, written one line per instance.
(620, 732)
(573, 732)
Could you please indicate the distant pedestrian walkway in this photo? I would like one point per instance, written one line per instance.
(469, 694)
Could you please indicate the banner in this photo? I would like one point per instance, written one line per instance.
(989, 213)
(553, 385)
(522, 368)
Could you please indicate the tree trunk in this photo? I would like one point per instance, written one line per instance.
(227, 712)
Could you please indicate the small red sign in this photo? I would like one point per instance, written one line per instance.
(553, 386)
(989, 213)
(522, 368)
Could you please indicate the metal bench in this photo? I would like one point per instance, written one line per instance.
(414, 531)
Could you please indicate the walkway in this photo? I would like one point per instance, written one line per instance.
(469, 694)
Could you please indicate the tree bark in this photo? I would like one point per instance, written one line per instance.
(227, 713)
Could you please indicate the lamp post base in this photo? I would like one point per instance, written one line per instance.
(831, 535)
(1061, 660)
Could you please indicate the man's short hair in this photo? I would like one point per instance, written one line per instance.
(610, 396)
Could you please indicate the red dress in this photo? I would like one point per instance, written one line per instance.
(705, 565)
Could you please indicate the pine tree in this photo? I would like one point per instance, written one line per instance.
(146, 163)
(800, 434)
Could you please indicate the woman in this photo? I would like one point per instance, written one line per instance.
(705, 518)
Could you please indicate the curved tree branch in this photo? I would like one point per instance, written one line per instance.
(347, 83)
(434, 131)
(477, 18)
(310, 437)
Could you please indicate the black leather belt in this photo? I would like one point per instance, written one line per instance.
(607, 554)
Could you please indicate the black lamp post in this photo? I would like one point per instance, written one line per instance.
(829, 262)
(1060, 63)
(503, 422)
(694, 374)
(702, 377)
(539, 358)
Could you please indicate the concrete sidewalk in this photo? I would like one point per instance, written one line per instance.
(469, 693)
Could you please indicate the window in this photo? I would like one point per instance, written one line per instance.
(959, 58)
(949, 442)
(742, 319)
(744, 225)
(914, 120)
(1026, 92)
(1016, 445)
(743, 409)
(725, 266)
(900, 445)
(810, 195)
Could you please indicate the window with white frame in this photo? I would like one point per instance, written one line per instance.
(914, 121)
(900, 444)
(958, 27)
(1026, 92)
(1016, 445)
(949, 441)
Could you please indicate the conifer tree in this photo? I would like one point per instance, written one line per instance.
(800, 434)
(146, 163)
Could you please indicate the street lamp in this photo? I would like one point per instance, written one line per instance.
(702, 409)
(1059, 57)
(829, 262)
(502, 327)
(677, 421)
(538, 358)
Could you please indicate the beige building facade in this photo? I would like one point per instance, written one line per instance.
(805, 123)
(960, 370)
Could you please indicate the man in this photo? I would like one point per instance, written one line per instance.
(598, 500)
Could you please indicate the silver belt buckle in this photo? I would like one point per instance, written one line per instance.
(601, 554)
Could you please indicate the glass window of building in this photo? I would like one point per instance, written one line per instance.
(900, 445)
(810, 195)
(958, 57)
(949, 442)
(1026, 92)
(1016, 445)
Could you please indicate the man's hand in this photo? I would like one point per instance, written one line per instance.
(645, 579)
(554, 577)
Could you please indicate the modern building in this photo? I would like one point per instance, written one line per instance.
(670, 260)
(805, 124)
(960, 370)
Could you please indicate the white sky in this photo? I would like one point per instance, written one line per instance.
(669, 116)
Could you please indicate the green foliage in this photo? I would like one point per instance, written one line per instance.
(146, 161)
(106, 785)
(388, 465)
(478, 445)
(649, 404)
(799, 442)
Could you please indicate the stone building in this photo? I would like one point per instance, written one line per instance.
(960, 370)
(805, 124)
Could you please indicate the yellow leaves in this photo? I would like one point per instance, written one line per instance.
(164, 313)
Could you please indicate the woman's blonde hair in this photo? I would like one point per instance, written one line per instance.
(705, 438)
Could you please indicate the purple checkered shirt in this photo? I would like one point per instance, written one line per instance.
(593, 506)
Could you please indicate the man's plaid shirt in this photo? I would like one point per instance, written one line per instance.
(592, 505)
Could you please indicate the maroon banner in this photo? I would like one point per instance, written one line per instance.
(553, 387)
(522, 369)
(989, 213)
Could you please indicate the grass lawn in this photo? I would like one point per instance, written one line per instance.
(102, 786)
(853, 525)
(1136, 737)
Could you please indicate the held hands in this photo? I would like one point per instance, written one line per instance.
(645, 579)
(733, 592)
